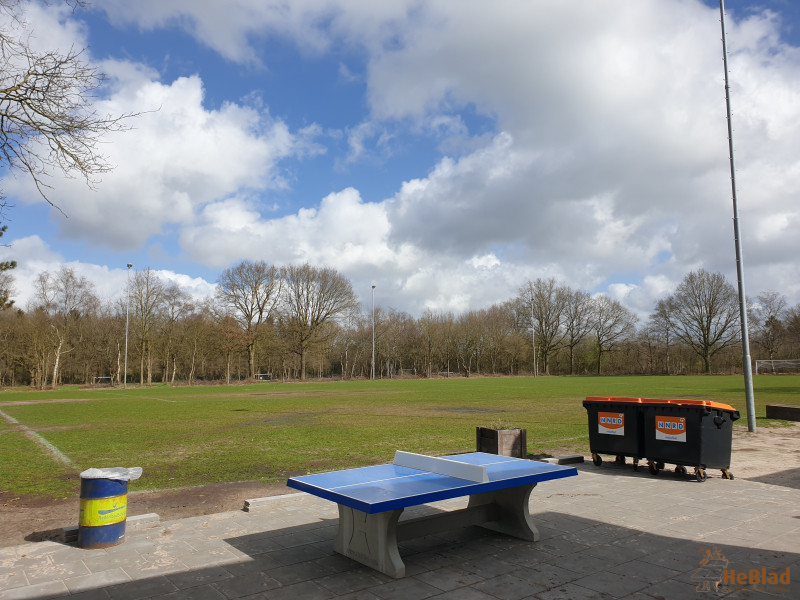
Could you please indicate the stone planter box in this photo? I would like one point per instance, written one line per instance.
(786, 412)
(505, 442)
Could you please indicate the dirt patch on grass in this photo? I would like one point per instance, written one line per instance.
(48, 401)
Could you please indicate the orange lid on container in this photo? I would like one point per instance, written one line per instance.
(623, 399)
(671, 401)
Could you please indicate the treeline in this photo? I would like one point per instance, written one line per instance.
(296, 322)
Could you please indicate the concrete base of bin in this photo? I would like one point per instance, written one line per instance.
(783, 411)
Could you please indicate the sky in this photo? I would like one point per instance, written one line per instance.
(445, 152)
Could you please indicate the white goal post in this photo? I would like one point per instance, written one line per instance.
(782, 366)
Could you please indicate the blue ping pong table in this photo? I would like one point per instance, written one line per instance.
(371, 500)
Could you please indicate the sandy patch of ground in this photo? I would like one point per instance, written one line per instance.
(772, 456)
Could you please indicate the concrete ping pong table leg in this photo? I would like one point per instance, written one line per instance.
(371, 539)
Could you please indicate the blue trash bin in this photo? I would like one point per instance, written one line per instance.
(104, 506)
(104, 510)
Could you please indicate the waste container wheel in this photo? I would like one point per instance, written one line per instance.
(597, 459)
(653, 467)
(700, 474)
(727, 474)
(620, 459)
(680, 470)
(660, 464)
(635, 464)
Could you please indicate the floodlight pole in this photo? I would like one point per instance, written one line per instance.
(127, 321)
(373, 333)
(748, 372)
(533, 340)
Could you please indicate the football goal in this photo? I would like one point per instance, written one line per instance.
(778, 367)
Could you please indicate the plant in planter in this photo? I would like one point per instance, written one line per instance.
(502, 438)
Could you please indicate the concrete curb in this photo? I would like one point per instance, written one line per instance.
(260, 503)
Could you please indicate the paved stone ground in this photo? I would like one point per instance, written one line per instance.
(608, 533)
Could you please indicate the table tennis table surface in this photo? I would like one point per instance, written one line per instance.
(387, 487)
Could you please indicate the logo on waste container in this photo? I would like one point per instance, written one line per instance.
(671, 429)
(611, 423)
(96, 512)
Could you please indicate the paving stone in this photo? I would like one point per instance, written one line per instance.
(47, 589)
(97, 580)
(616, 553)
(203, 592)
(546, 575)
(408, 588)
(612, 583)
(237, 587)
(508, 587)
(487, 567)
(583, 562)
(93, 594)
(674, 588)
(197, 577)
(306, 590)
(143, 588)
(352, 581)
(449, 578)
(299, 572)
(560, 546)
(467, 593)
(647, 572)
(573, 592)
(47, 568)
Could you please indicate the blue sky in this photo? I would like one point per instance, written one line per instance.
(446, 151)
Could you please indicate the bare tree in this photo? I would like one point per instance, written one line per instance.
(6, 280)
(250, 292)
(67, 298)
(577, 322)
(793, 329)
(704, 313)
(176, 308)
(47, 116)
(660, 325)
(147, 294)
(314, 298)
(611, 323)
(545, 302)
(767, 316)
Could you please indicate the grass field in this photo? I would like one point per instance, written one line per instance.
(187, 436)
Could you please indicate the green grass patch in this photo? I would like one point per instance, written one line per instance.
(187, 436)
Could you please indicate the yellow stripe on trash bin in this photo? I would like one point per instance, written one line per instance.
(103, 511)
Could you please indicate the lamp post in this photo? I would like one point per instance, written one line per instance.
(746, 366)
(533, 340)
(373, 333)
(127, 321)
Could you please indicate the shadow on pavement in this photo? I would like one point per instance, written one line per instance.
(576, 557)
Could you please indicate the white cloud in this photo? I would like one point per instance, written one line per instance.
(109, 283)
(177, 158)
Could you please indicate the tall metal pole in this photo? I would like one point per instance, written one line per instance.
(127, 321)
(533, 340)
(373, 333)
(748, 372)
